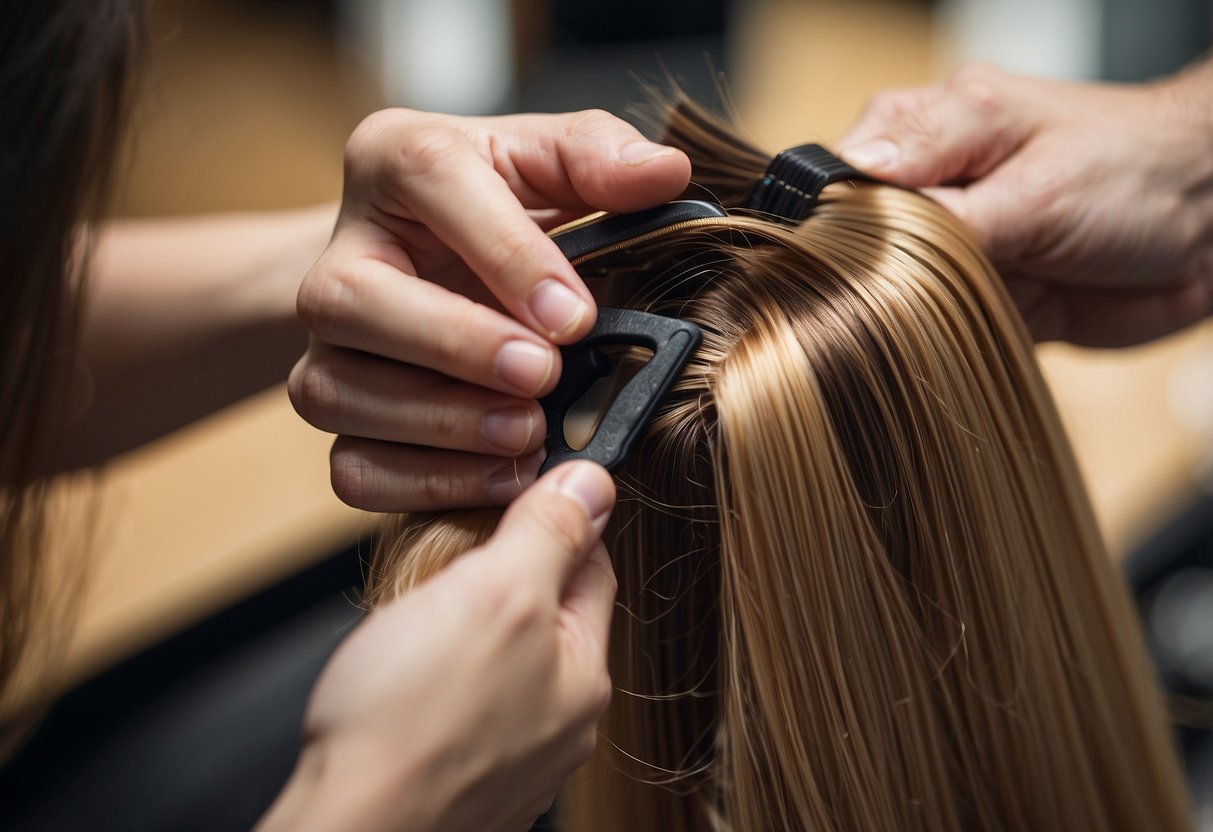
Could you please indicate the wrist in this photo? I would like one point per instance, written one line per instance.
(317, 798)
(291, 243)
(328, 791)
(1187, 98)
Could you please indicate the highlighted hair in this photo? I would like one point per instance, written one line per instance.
(861, 587)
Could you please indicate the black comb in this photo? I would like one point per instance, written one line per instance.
(794, 180)
(672, 340)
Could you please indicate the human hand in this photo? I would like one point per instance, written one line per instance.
(1095, 201)
(467, 702)
(435, 306)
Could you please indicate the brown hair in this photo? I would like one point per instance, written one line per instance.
(64, 80)
(860, 583)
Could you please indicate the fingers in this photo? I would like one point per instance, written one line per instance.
(1096, 317)
(550, 530)
(583, 160)
(424, 168)
(958, 133)
(468, 182)
(388, 476)
(885, 108)
(353, 393)
(1012, 212)
(369, 305)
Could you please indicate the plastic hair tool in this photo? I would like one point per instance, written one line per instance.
(672, 341)
(794, 180)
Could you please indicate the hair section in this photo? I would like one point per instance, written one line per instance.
(860, 583)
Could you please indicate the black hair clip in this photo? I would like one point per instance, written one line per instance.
(795, 179)
(673, 341)
(586, 238)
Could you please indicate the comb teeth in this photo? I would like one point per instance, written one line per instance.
(795, 179)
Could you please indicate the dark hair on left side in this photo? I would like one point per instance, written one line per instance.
(65, 83)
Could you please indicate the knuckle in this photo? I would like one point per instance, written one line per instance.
(525, 608)
(354, 477)
(517, 606)
(460, 326)
(443, 425)
(514, 247)
(978, 98)
(591, 122)
(367, 137)
(325, 300)
(313, 391)
(562, 522)
(974, 72)
(439, 488)
(493, 595)
(429, 145)
(1040, 189)
(885, 105)
(919, 126)
(973, 86)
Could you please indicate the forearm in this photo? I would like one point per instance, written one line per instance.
(324, 795)
(1192, 89)
(183, 317)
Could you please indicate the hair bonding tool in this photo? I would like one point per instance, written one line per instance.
(794, 180)
(672, 341)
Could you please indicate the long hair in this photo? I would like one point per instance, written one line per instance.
(64, 83)
(861, 587)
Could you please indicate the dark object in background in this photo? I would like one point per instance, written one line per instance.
(583, 22)
(198, 733)
(1172, 579)
(1145, 40)
(598, 50)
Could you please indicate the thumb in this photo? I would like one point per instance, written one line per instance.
(960, 135)
(549, 531)
(589, 601)
(587, 159)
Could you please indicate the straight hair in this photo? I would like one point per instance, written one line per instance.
(65, 70)
(861, 585)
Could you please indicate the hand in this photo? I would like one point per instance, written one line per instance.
(1095, 201)
(435, 306)
(467, 702)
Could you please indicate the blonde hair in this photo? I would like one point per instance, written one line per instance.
(860, 584)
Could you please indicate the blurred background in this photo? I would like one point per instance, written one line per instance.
(224, 572)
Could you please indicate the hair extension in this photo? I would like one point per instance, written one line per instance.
(861, 587)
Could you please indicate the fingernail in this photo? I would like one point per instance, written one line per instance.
(509, 428)
(872, 155)
(508, 482)
(525, 366)
(557, 307)
(587, 485)
(637, 153)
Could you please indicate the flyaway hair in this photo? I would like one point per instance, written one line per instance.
(861, 587)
